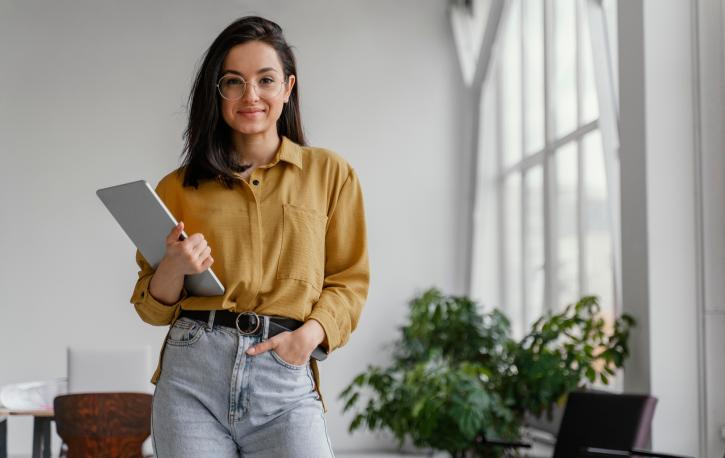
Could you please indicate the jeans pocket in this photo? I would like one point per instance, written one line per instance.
(184, 332)
(281, 362)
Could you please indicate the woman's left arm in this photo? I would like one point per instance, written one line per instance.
(347, 270)
(347, 278)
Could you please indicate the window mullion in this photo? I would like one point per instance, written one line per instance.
(538, 157)
(500, 198)
(524, 199)
(524, 252)
(550, 261)
(581, 195)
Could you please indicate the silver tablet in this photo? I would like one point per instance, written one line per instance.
(147, 222)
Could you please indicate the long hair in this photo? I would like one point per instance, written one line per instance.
(208, 152)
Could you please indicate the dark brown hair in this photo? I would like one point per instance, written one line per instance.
(207, 138)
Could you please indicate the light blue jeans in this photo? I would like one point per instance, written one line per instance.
(214, 400)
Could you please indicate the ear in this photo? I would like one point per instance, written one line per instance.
(290, 84)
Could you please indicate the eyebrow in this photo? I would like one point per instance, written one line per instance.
(262, 70)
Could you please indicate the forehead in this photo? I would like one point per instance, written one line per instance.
(248, 58)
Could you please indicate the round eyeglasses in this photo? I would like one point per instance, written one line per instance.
(232, 87)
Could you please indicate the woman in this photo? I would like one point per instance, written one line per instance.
(283, 226)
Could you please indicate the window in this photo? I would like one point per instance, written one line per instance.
(545, 204)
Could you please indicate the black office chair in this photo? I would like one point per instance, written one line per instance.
(601, 424)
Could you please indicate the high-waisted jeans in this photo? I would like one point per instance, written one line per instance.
(214, 400)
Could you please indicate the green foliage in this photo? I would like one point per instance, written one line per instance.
(457, 374)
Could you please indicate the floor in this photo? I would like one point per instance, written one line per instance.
(341, 455)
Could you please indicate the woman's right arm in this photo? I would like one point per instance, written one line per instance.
(183, 257)
(159, 293)
(166, 285)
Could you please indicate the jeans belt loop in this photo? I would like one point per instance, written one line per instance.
(265, 329)
(210, 323)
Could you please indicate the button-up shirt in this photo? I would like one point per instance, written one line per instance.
(289, 242)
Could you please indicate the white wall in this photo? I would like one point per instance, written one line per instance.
(93, 94)
(671, 214)
(672, 218)
(712, 168)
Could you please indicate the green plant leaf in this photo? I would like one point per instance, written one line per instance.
(456, 372)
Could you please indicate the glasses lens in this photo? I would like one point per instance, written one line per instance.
(231, 87)
(268, 87)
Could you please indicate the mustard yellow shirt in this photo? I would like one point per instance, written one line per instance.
(290, 241)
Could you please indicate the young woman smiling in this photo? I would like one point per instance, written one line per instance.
(238, 373)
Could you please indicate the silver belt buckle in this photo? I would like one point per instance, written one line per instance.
(252, 332)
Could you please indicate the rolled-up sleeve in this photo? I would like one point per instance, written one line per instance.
(347, 271)
(148, 308)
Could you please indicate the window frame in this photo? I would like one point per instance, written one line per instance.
(593, 12)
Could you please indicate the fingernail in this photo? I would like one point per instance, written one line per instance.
(251, 350)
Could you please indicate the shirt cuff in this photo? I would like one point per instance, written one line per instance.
(332, 336)
(151, 310)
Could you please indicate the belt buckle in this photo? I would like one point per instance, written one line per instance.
(256, 328)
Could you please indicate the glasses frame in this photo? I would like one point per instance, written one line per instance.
(244, 88)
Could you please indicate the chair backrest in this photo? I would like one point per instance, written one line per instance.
(103, 424)
(100, 370)
(604, 420)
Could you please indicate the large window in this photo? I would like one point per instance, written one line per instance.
(544, 214)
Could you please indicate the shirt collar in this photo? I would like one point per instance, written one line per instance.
(289, 151)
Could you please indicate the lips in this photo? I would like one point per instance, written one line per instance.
(251, 114)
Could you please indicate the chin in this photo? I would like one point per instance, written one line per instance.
(252, 129)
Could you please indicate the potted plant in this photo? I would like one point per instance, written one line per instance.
(457, 375)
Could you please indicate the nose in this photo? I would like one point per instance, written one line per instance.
(250, 92)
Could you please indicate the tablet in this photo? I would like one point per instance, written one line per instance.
(147, 222)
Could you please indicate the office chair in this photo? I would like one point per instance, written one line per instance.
(600, 424)
(112, 369)
(103, 424)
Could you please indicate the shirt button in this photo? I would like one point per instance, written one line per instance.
(255, 182)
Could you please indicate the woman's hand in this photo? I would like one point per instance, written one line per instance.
(294, 347)
(182, 257)
(187, 257)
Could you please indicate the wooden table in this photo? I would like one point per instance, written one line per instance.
(41, 431)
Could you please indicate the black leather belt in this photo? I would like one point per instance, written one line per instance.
(251, 324)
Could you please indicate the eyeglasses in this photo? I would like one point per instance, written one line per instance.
(232, 87)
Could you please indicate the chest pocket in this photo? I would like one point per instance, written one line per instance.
(302, 255)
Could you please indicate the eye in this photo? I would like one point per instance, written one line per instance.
(230, 82)
(266, 81)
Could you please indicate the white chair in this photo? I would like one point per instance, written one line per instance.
(102, 370)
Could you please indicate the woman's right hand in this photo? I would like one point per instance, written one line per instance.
(189, 256)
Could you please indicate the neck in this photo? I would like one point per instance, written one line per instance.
(257, 149)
